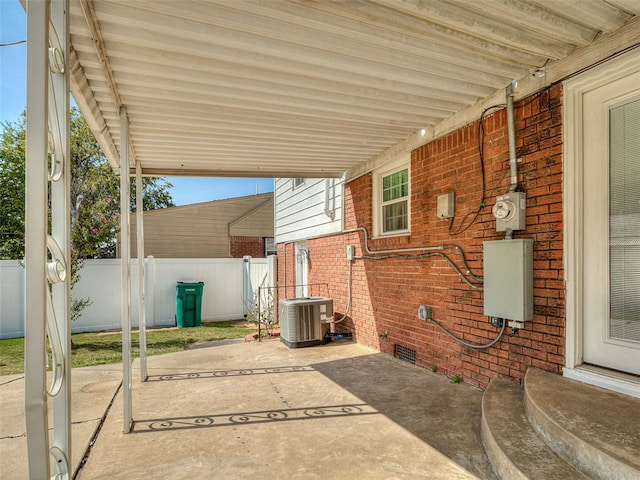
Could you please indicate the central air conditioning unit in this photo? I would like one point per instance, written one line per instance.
(301, 320)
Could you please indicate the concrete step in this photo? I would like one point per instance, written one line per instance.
(595, 430)
(514, 448)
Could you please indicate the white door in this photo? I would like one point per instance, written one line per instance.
(302, 270)
(611, 220)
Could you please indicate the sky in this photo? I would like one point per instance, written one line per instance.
(185, 190)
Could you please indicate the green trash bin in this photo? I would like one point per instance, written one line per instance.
(188, 304)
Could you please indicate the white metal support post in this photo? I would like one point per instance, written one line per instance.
(142, 318)
(125, 257)
(35, 240)
(47, 274)
(61, 213)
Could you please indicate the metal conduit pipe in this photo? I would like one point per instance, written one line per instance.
(475, 346)
(349, 282)
(426, 252)
(393, 253)
(426, 255)
(513, 161)
(457, 248)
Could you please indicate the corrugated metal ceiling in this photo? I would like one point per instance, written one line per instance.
(305, 88)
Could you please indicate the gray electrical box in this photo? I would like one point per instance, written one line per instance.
(508, 279)
(446, 205)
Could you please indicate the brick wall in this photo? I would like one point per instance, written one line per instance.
(242, 246)
(386, 293)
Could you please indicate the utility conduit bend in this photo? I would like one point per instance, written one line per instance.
(372, 254)
(426, 252)
(467, 344)
(426, 255)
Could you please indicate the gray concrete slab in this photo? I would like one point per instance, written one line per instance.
(261, 410)
(92, 390)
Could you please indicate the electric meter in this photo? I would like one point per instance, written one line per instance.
(510, 211)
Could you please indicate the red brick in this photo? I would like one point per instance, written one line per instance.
(386, 293)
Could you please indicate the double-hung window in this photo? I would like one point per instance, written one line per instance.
(391, 201)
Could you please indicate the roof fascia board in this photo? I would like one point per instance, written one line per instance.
(82, 94)
(214, 203)
(212, 172)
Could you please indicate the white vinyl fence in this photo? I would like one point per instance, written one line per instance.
(229, 285)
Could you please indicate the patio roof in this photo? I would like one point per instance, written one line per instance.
(315, 88)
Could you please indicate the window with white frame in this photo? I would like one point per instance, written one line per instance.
(298, 182)
(391, 201)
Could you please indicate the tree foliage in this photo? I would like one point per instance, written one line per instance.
(12, 147)
(95, 193)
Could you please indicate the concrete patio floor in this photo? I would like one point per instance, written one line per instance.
(262, 410)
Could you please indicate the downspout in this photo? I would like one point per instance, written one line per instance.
(329, 212)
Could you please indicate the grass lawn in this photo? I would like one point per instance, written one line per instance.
(105, 347)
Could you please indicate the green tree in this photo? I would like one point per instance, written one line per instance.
(12, 147)
(95, 193)
(95, 198)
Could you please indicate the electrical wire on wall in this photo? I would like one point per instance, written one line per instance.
(462, 227)
(481, 205)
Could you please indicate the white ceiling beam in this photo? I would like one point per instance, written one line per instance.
(360, 31)
(291, 126)
(263, 82)
(182, 122)
(368, 12)
(208, 42)
(534, 18)
(346, 106)
(307, 88)
(632, 7)
(451, 16)
(607, 45)
(143, 96)
(274, 35)
(240, 64)
(597, 13)
(251, 137)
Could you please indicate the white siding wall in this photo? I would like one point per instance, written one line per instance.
(223, 297)
(300, 213)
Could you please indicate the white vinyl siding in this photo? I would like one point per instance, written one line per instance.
(305, 212)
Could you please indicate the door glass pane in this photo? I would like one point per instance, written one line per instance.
(624, 221)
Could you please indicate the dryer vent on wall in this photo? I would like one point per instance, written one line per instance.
(301, 319)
